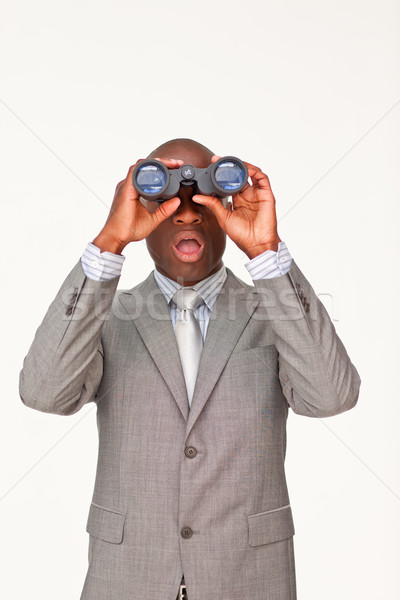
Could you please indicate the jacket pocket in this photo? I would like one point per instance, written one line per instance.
(270, 526)
(105, 524)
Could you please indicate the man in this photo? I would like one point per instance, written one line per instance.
(190, 477)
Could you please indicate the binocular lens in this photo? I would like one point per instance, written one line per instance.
(151, 179)
(229, 176)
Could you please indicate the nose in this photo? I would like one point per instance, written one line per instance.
(188, 212)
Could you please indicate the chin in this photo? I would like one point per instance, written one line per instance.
(189, 272)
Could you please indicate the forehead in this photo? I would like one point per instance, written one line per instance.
(196, 156)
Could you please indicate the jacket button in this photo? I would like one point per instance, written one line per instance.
(186, 532)
(190, 451)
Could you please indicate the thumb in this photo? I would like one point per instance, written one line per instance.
(166, 209)
(221, 213)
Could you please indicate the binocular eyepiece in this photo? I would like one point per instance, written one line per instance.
(154, 181)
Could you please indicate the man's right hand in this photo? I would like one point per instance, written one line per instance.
(129, 220)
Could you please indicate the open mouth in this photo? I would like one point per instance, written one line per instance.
(188, 248)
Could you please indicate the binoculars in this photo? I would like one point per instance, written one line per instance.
(153, 181)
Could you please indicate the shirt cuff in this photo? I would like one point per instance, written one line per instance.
(101, 266)
(270, 264)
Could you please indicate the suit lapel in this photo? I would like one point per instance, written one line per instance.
(230, 315)
(150, 314)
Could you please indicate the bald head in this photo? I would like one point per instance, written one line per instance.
(189, 151)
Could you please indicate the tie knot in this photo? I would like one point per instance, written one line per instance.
(187, 299)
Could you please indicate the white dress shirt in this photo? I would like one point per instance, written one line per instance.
(103, 266)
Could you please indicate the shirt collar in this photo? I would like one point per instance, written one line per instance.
(208, 288)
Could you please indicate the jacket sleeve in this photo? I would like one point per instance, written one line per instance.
(64, 365)
(317, 377)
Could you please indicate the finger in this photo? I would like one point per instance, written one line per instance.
(260, 179)
(171, 163)
(128, 182)
(221, 213)
(251, 166)
(165, 210)
(128, 179)
(215, 158)
(257, 176)
(243, 190)
(132, 167)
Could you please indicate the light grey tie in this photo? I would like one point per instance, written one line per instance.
(188, 335)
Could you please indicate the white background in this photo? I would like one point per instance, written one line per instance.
(310, 92)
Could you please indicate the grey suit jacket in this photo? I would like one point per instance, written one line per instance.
(200, 492)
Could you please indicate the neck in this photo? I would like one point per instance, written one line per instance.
(185, 282)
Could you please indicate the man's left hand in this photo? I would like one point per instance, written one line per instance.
(251, 221)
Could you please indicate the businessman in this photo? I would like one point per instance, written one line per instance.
(193, 373)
